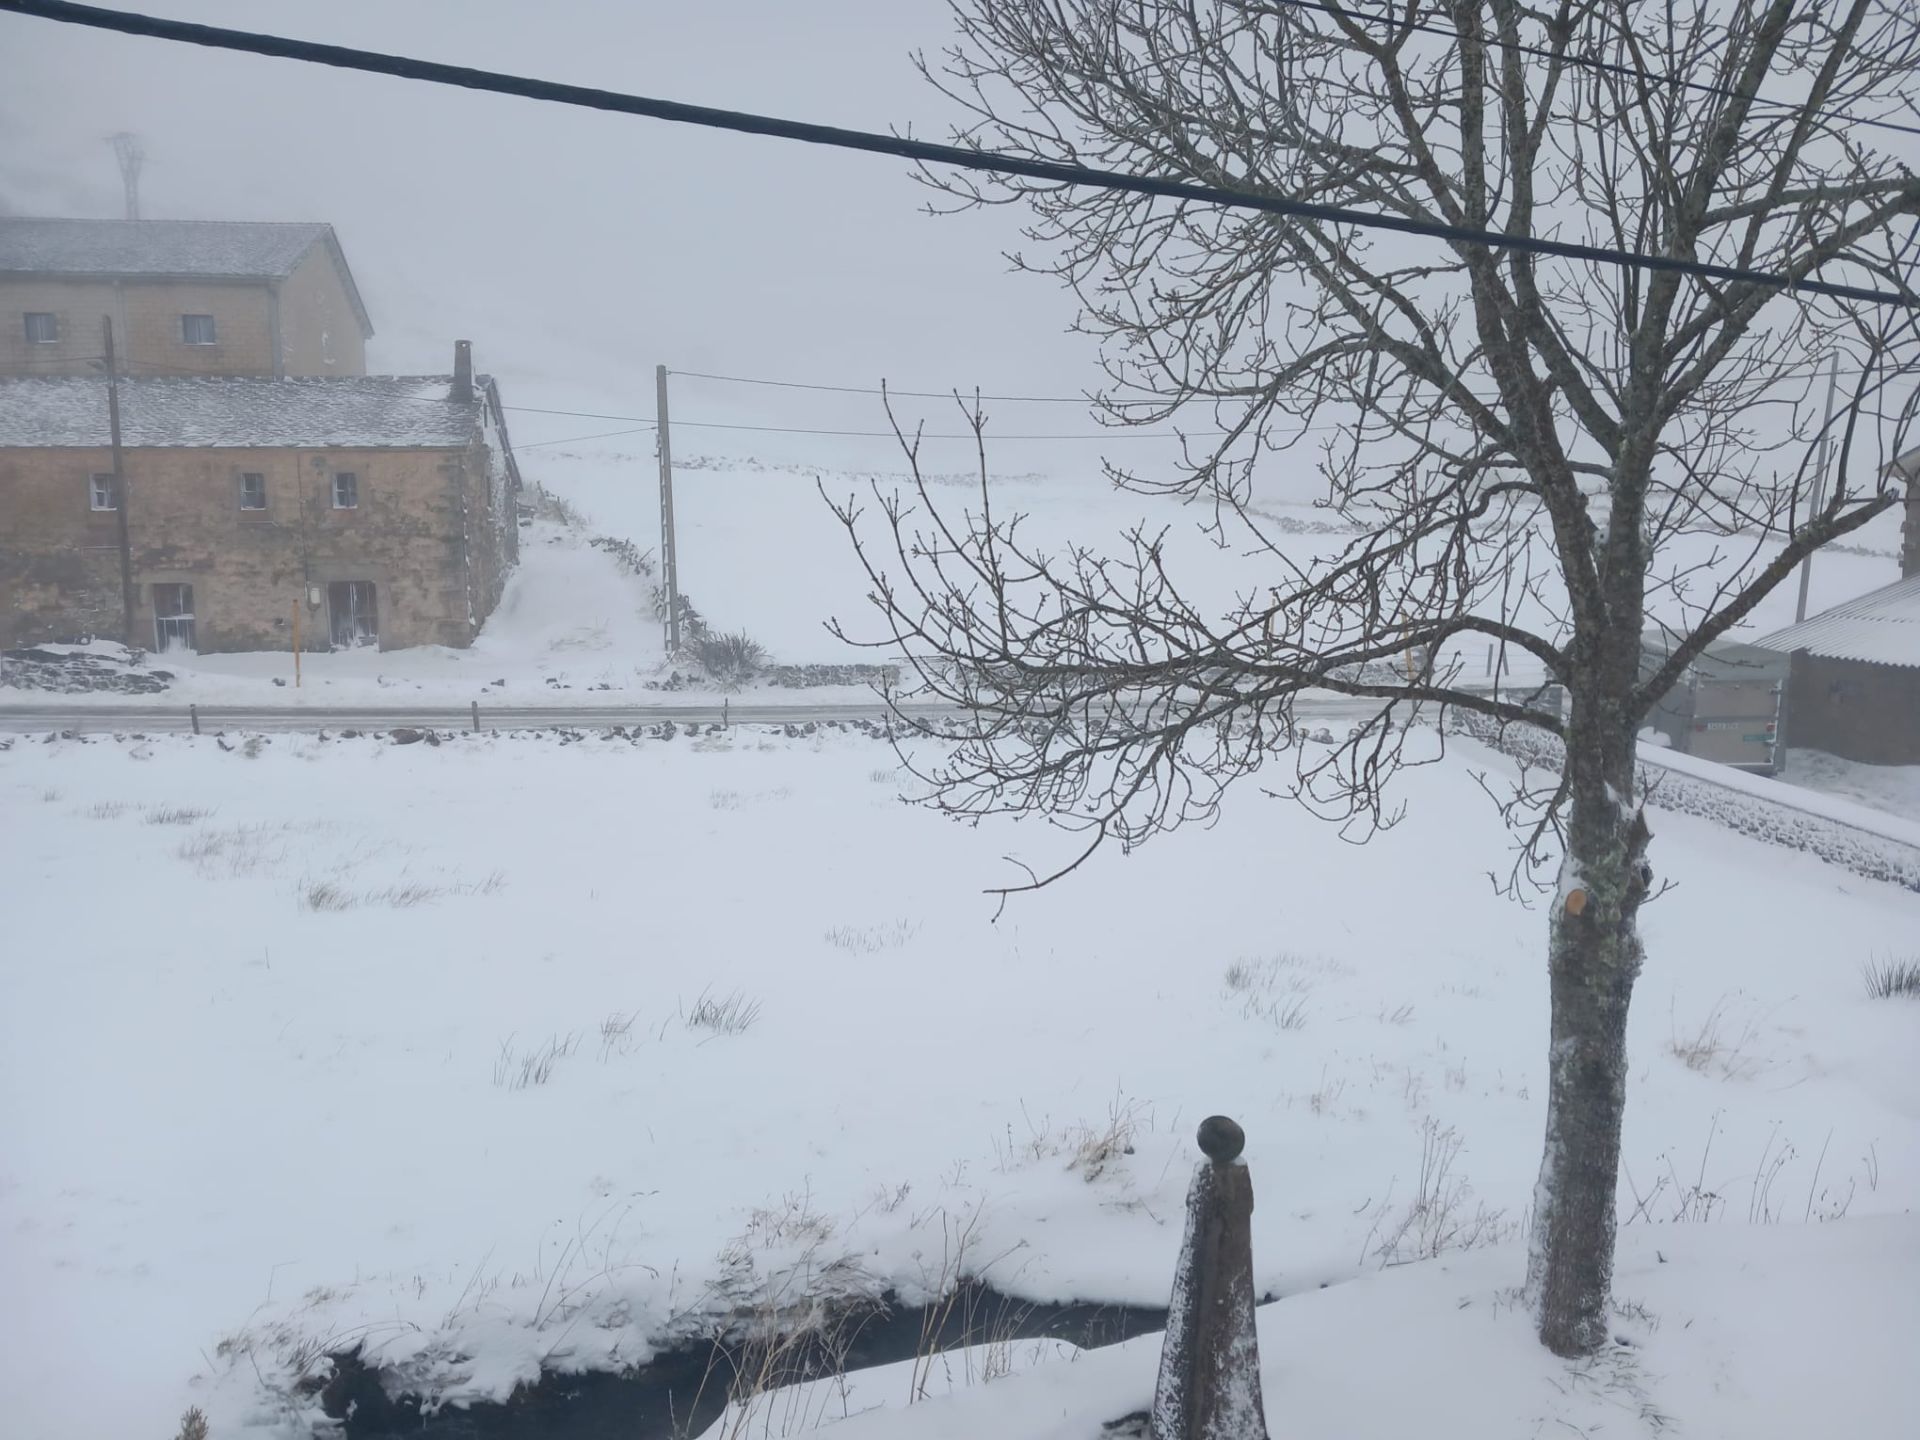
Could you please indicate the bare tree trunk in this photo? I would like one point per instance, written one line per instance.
(1594, 956)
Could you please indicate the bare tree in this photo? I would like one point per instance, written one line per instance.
(1521, 445)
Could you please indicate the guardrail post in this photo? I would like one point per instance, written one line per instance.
(1209, 1386)
(193, 714)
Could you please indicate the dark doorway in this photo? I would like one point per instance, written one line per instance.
(172, 618)
(354, 613)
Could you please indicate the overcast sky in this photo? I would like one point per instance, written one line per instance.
(577, 249)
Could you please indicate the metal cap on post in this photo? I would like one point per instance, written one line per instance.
(1209, 1386)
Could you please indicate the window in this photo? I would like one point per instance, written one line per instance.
(353, 614)
(103, 493)
(197, 329)
(172, 618)
(346, 490)
(42, 328)
(253, 491)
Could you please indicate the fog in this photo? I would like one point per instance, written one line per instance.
(579, 249)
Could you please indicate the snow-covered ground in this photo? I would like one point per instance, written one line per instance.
(511, 1052)
(1731, 1332)
(1892, 788)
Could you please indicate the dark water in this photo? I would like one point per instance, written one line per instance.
(681, 1392)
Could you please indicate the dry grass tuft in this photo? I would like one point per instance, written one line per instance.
(522, 1070)
(1716, 1046)
(872, 939)
(175, 815)
(1890, 978)
(1437, 1218)
(730, 1014)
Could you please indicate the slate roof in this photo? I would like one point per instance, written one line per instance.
(1881, 627)
(169, 249)
(363, 412)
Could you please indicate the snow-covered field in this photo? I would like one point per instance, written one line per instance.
(511, 1052)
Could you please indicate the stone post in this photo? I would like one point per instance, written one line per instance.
(1209, 1387)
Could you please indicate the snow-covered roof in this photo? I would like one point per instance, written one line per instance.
(1881, 627)
(225, 412)
(169, 249)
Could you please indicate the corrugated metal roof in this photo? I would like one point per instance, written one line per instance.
(224, 412)
(1881, 627)
(198, 249)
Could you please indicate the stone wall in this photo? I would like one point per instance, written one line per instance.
(319, 332)
(424, 533)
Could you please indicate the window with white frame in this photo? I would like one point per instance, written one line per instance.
(253, 491)
(197, 329)
(103, 492)
(43, 328)
(346, 490)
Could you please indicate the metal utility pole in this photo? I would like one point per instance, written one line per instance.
(669, 566)
(132, 156)
(119, 489)
(1819, 486)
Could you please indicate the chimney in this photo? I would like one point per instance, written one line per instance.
(462, 392)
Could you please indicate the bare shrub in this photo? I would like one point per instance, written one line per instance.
(729, 659)
(193, 1425)
(175, 815)
(1437, 1217)
(49, 795)
(548, 506)
(1890, 978)
(1395, 1015)
(107, 810)
(730, 1014)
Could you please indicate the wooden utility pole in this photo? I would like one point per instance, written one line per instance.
(1819, 487)
(669, 565)
(119, 489)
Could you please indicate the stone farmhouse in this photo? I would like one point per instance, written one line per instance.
(197, 297)
(269, 495)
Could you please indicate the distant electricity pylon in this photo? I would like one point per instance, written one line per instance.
(131, 154)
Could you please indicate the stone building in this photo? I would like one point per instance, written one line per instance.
(198, 297)
(364, 510)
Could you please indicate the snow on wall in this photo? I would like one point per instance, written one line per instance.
(1737, 801)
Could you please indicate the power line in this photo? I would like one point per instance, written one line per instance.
(1590, 62)
(889, 390)
(582, 439)
(408, 68)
